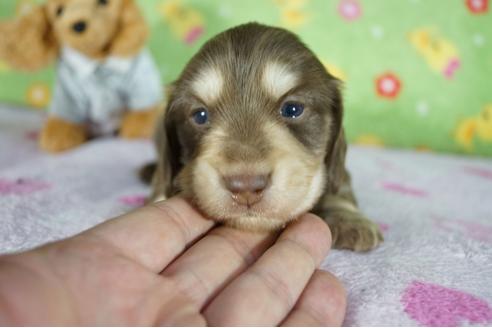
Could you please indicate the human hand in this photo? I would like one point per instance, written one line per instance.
(164, 264)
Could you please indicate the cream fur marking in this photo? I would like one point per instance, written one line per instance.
(159, 198)
(345, 204)
(315, 190)
(208, 84)
(288, 189)
(278, 79)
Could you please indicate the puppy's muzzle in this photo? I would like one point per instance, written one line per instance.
(246, 189)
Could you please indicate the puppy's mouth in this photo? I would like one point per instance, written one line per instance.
(259, 196)
(255, 207)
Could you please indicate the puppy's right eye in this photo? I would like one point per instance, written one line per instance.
(200, 116)
(292, 110)
(59, 11)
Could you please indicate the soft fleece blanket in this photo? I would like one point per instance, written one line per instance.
(435, 267)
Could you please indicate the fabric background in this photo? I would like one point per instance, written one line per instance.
(417, 73)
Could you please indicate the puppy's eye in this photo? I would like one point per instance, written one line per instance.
(292, 110)
(102, 2)
(200, 116)
(59, 11)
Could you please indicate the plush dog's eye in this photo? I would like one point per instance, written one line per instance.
(59, 11)
(102, 2)
(292, 110)
(200, 116)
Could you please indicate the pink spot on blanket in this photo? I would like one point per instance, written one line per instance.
(399, 188)
(21, 186)
(134, 200)
(383, 226)
(32, 135)
(434, 305)
(477, 230)
(479, 172)
(385, 164)
(473, 230)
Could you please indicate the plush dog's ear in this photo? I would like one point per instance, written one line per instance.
(28, 42)
(169, 154)
(337, 147)
(132, 31)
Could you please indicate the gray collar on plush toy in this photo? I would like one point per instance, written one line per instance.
(84, 66)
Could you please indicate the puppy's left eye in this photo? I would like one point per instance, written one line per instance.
(200, 116)
(102, 2)
(59, 11)
(292, 110)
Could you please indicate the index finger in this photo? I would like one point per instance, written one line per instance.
(155, 234)
(266, 292)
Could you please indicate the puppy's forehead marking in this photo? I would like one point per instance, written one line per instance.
(278, 79)
(208, 84)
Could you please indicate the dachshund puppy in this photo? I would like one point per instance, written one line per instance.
(253, 135)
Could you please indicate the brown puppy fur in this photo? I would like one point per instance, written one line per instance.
(248, 165)
(117, 28)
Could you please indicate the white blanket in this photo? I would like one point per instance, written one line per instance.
(434, 268)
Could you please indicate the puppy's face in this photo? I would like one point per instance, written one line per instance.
(85, 25)
(249, 125)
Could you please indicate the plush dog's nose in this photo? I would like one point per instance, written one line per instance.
(79, 26)
(246, 189)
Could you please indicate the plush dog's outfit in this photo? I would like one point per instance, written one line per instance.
(94, 91)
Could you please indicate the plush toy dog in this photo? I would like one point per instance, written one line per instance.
(105, 78)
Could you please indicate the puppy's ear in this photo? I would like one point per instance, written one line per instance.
(337, 146)
(132, 31)
(169, 154)
(28, 42)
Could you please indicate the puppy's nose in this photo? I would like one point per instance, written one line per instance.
(246, 189)
(79, 26)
